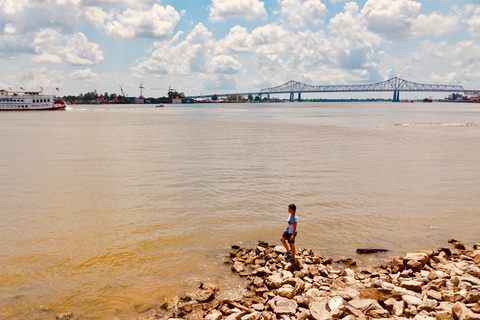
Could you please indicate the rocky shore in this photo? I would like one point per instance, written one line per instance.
(442, 284)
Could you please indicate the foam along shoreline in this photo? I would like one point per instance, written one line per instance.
(437, 124)
(441, 284)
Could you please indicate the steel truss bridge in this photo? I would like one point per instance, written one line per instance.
(395, 85)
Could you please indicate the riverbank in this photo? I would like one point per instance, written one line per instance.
(441, 284)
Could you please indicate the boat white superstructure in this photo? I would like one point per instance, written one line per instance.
(28, 100)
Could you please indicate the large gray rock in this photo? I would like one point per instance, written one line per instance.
(283, 306)
(420, 257)
(204, 295)
(335, 303)
(209, 286)
(303, 314)
(379, 313)
(445, 306)
(461, 312)
(379, 294)
(451, 296)
(428, 305)
(444, 315)
(274, 281)
(395, 307)
(238, 267)
(286, 291)
(412, 301)
(64, 316)
(414, 265)
(214, 315)
(319, 310)
(258, 306)
(363, 304)
(234, 316)
(404, 292)
(470, 278)
(432, 294)
(473, 296)
(313, 271)
(354, 312)
(412, 285)
(261, 272)
(251, 316)
(279, 249)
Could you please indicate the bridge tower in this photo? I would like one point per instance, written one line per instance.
(396, 96)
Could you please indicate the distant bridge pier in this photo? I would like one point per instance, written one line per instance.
(292, 97)
(299, 97)
(396, 96)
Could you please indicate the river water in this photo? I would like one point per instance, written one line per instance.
(107, 210)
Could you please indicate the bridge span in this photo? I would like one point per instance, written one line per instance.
(395, 85)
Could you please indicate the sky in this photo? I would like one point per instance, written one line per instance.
(223, 46)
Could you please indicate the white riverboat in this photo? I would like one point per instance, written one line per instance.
(29, 100)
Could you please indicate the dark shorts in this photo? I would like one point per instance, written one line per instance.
(287, 236)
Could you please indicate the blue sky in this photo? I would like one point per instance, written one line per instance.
(221, 46)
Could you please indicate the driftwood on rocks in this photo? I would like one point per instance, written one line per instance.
(366, 251)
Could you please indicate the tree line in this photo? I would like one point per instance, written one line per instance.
(239, 97)
(91, 96)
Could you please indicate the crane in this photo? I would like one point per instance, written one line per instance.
(122, 90)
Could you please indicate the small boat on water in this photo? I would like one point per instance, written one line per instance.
(29, 101)
(427, 100)
(160, 106)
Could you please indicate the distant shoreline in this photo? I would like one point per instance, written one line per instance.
(271, 101)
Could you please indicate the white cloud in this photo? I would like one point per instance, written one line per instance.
(95, 16)
(46, 37)
(435, 24)
(12, 7)
(245, 9)
(38, 77)
(298, 14)
(158, 22)
(12, 45)
(268, 39)
(44, 43)
(473, 20)
(437, 62)
(225, 65)
(131, 4)
(391, 19)
(10, 28)
(47, 58)
(79, 51)
(85, 74)
(191, 55)
(351, 25)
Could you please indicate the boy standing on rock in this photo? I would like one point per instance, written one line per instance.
(290, 233)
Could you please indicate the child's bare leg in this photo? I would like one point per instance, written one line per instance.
(284, 243)
(292, 246)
